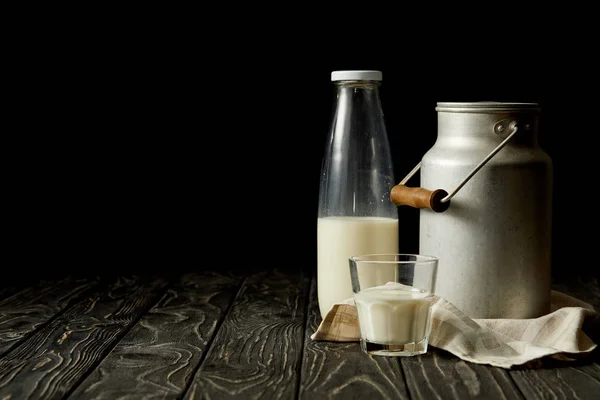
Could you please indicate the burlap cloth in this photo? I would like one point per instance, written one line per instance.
(498, 342)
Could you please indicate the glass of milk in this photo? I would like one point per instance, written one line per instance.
(394, 295)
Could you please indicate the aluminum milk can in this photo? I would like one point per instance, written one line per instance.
(486, 209)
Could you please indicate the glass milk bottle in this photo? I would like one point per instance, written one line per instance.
(355, 214)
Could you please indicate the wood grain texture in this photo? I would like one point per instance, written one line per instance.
(564, 381)
(441, 375)
(556, 379)
(7, 291)
(54, 359)
(332, 370)
(160, 354)
(26, 310)
(218, 336)
(256, 353)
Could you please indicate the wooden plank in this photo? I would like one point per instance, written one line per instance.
(555, 379)
(160, 354)
(24, 311)
(439, 374)
(7, 291)
(10, 287)
(560, 381)
(257, 350)
(56, 357)
(342, 371)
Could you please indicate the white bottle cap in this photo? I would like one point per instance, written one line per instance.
(356, 75)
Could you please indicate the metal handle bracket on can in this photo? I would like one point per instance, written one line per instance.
(439, 200)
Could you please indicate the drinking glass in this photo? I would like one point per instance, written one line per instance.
(394, 296)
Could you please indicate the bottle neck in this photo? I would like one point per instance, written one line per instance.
(359, 98)
(358, 85)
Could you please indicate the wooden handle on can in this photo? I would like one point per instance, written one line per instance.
(419, 198)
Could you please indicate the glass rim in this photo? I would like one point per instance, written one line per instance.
(379, 258)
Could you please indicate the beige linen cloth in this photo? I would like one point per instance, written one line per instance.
(498, 342)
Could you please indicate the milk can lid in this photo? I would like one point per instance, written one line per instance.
(356, 75)
(486, 106)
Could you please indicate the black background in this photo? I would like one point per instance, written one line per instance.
(173, 150)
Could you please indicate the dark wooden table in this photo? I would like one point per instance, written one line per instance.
(219, 335)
